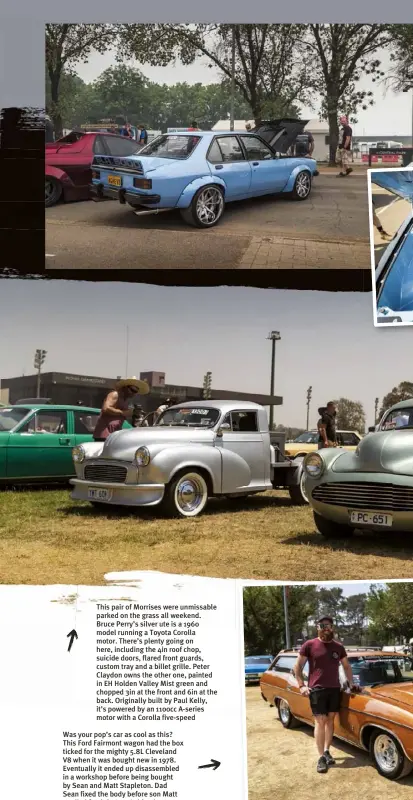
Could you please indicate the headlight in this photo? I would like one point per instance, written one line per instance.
(313, 465)
(142, 457)
(78, 454)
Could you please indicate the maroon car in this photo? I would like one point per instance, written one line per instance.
(68, 161)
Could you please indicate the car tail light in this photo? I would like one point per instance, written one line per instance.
(142, 183)
(96, 174)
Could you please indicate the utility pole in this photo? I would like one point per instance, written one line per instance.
(286, 590)
(309, 394)
(39, 359)
(127, 351)
(206, 387)
(273, 336)
(376, 410)
(407, 89)
(232, 112)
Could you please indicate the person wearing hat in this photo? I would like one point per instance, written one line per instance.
(116, 407)
(324, 656)
(139, 417)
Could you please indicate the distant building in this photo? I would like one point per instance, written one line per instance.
(69, 389)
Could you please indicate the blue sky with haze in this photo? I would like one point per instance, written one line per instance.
(328, 340)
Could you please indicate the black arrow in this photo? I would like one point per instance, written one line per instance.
(214, 764)
(73, 636)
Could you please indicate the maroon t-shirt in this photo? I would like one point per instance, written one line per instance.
(323, 661)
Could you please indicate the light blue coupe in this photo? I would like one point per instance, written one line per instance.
(198, 172)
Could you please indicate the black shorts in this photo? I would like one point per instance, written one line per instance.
(324, 701)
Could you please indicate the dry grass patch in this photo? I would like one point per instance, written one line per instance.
(46, 538)
(282, 763)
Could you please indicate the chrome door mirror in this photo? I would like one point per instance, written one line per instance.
(222, 428)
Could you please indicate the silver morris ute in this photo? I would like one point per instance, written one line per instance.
(193, 452)
(371, 488)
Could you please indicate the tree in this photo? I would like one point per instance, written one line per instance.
(122, 93)
(404, 391)
(402, 56)
(272, 66)
(350, 415)
(356, 615)
(66, 45)
(344, 53)
(264, 628)
(390, 610)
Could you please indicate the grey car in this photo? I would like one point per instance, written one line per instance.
(218, 448)
(370, 488)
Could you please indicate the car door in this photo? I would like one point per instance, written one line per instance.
(351, 717)
(84, 424)
(42, 446)
(266, 171)
(227, 160)
(245, 439)
(289, 690)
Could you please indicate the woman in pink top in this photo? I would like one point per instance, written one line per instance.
(115, 409)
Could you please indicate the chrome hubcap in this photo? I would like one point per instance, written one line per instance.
(190, 493)
(302, 184)
(284, 711)
(209, 205)
(386, 754)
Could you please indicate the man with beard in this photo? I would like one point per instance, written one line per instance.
(324, 655)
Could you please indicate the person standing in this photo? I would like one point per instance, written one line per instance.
(324, 656)
(304, 145)
(116, 407)
(377, 223)
(326, 426)
(345, 147)
(193, 126)
(142, 136)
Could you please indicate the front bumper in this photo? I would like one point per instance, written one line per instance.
(402, 517)
(122, 494)
(99, 192)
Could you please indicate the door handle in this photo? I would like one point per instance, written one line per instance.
(255, 163)
(64, 441)
(219, 166)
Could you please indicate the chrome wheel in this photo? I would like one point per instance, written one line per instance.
(386, 753)
(209, 206)
(303, 185)
(191, 494)
(284, 710)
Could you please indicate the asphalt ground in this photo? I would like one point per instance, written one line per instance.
(329, 230)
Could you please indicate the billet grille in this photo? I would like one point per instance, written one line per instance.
(105, 473)
(375, 496)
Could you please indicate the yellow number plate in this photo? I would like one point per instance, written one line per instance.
(114, 180)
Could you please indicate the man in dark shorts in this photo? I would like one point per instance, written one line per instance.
(324, 655)
(327, 436)
(345, 147)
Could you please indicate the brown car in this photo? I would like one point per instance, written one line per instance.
(378, 718)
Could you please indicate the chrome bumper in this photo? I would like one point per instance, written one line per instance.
(123, 494)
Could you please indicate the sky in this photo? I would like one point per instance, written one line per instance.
(392, 114)
(328, 339)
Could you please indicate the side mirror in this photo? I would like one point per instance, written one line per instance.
(224, 427)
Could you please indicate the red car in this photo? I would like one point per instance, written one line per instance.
(68, 161)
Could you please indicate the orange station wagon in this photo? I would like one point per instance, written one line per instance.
(378, 718)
